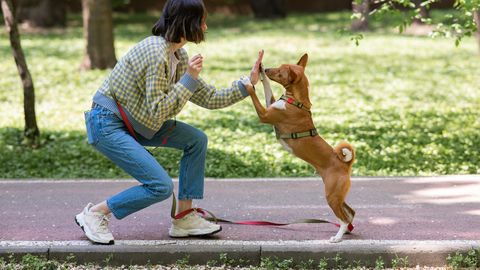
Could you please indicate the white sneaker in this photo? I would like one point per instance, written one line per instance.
(193, 225)
(95, 226)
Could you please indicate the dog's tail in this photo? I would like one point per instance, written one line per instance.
(345, 152)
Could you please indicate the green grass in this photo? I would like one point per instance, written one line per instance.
(468, 260)
(410, 105)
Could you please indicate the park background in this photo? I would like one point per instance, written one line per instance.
(408, 103)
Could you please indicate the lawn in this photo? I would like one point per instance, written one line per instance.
(408, 104)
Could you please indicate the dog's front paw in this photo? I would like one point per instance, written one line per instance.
(335, 239)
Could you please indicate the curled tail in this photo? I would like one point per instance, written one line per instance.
(345, 152)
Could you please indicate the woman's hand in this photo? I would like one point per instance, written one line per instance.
(255, 73)
(195, 66)
(248, 85)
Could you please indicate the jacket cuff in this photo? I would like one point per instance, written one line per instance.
(189, 82)
(242, 88)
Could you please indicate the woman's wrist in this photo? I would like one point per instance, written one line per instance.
(193, 76)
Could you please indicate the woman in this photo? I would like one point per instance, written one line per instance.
(151, 84)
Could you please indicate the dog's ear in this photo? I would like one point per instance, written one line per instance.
(303, 61)
(292, 74)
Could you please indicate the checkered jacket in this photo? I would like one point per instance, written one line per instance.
(140, 82)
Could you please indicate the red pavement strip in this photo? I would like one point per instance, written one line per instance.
(435, 210)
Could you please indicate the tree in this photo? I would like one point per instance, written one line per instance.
(42, 13)
(98, 33)
(476, 16)
(465, 22)
(423, 13)
(360, 23)
(31, 131)
(268, 9)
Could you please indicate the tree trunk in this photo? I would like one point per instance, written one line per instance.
(98, 33)
(424, 13)
(31, 132)
(269, 9)
(42, 13)
(476, 16)
(363, 9)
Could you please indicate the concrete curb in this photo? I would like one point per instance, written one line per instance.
(128, 252)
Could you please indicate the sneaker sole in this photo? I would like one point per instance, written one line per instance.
(195, 235)
(90, 238)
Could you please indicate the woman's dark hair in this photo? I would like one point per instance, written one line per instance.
(181, 19)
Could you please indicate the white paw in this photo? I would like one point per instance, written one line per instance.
(335, 239)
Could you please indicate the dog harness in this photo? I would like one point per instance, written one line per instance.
(295, 103)
(296, 135)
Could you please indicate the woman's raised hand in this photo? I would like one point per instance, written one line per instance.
(195, 66)
(255, 73)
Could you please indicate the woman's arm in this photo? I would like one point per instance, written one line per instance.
(208, 96)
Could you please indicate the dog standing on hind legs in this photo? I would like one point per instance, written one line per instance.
(293, 123)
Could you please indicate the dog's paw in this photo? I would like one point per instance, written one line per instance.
(335, 239)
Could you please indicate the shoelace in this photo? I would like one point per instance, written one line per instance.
(198, 211)
(200, 214)
(103, 226)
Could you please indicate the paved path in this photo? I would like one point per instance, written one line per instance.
(388, 209)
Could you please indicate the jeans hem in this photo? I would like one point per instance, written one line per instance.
(190, 198)
(117, 216)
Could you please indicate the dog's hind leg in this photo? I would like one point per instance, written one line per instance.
(336, 189)
(350, 212)
(342, 213)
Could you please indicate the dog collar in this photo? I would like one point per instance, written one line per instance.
(295, 103)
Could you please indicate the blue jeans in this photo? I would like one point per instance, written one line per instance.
(109, 135)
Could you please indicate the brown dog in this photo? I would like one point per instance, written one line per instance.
(293, 123)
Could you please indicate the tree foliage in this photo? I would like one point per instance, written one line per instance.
(457, 24)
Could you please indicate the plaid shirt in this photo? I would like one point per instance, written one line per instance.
(140, 81)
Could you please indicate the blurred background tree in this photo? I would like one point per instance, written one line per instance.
(423, 12)
(362, 8)
(269, 9)
(42, 13)
(31, 132)
(98, 34)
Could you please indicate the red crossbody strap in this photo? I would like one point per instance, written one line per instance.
(125, 119)
(122, 112)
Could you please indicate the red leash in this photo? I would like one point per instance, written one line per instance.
(213, 218)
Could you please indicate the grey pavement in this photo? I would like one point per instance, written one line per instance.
(424, 218)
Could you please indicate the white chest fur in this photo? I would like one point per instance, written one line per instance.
(279, 104)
